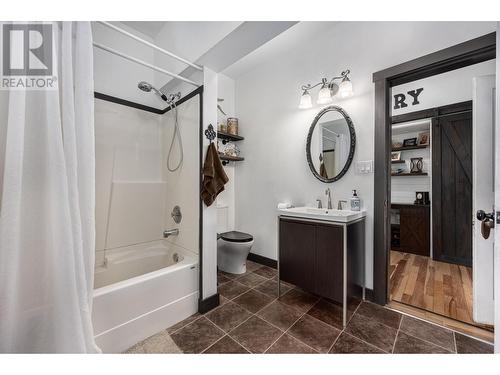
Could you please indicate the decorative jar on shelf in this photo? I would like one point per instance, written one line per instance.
(232, 125)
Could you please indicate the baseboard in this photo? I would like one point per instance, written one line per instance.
(207, 304)
(263, 260)
(369, 295)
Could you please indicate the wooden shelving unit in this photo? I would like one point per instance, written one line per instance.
(408, 174)
(409, 148)
(226, 158)
(226, 137)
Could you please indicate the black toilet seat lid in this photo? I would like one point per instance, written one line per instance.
(235, 236)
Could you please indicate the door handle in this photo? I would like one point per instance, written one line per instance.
(487, 222)
(481, 215)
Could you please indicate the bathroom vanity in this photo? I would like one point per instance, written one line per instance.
(323, 252)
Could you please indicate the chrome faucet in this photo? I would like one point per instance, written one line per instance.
(320, 205)
(329, 195)
(339, 206)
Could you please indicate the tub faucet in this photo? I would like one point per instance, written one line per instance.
(171, 232)
(329, 195)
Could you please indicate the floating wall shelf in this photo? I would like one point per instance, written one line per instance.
(226, 137)
(408, 174)
(409, 148)
(398, 161)
(226, 158)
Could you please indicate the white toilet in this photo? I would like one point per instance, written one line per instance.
(233, 247)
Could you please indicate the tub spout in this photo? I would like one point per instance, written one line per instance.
(171, 232)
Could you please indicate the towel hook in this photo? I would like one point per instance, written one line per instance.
(210, 133)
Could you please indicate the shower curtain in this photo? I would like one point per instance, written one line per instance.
(47, 220)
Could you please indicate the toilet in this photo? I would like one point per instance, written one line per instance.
(233, 247)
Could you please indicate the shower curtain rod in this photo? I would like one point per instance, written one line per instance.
(141, 62)
(130, 35)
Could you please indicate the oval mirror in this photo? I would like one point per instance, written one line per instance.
(330, 144)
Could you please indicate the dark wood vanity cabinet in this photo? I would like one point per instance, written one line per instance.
(297, 246)
(311, 256)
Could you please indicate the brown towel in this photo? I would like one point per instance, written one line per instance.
(214, 176)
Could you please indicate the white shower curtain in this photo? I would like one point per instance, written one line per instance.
(47, 220)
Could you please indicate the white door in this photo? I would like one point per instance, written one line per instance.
(483, 197)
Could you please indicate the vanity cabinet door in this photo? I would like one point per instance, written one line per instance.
(329, 261)
(297, 253)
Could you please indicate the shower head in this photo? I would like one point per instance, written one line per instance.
(148, 87)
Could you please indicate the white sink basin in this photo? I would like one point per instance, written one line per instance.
(341, 216)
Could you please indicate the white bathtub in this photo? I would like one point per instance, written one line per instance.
(142, 290)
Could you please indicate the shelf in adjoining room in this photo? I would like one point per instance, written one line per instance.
(409, 174)
(409, 148)
(398, 161)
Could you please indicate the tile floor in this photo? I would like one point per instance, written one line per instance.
(251, 319)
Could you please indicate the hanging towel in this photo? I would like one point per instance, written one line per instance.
(214, 177)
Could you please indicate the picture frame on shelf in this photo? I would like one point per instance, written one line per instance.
(396, 156)
(424, 138)
(410, 142)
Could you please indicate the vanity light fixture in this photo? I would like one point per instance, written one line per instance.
(328, 90)
(305, 100)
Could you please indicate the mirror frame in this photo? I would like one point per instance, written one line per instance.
(352, 133)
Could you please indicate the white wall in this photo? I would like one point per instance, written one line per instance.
(275, 130)
(447, 88)
(116, 76)
(226, 91)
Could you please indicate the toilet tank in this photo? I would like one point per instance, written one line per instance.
(222, 219)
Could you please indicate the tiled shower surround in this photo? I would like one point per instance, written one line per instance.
(251, 319)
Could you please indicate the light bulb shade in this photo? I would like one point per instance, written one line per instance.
(345, 88)
(305, 100)
(324, 95)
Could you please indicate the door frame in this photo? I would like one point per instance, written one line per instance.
(458, 56)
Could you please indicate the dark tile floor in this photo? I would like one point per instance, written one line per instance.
(251, 319)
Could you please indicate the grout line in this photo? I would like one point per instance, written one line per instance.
(397, 334)
(286, 331)
(343, 328)
(438, 325)
(184, 326)
(366, 342)
(220, 338)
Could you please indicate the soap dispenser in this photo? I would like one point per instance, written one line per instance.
(355, 201)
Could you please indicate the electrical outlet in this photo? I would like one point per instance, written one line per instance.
(364, 167)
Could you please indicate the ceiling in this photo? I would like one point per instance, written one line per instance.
(149, 28)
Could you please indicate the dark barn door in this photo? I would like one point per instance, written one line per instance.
(452, 188)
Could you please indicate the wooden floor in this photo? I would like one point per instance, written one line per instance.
(438, 287)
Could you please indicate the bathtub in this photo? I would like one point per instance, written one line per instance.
(141, 290)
